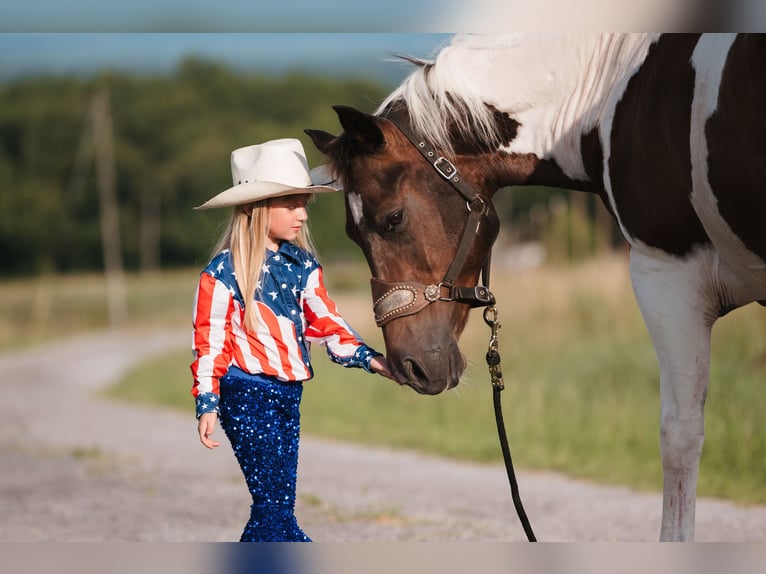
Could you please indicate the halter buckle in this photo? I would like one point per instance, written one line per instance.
(445, 167)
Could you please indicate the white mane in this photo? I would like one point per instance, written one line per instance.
(439, 95)
(556, 87)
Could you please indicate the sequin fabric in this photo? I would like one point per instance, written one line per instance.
(261, 418)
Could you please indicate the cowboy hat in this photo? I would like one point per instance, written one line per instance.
(271, 169)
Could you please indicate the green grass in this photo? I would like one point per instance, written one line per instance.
(581, 388)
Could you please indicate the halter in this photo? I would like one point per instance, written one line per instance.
(399, 299)
(394, 300)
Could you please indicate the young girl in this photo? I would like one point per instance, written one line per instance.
(259, 303)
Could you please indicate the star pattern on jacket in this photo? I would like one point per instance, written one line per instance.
(295, 310)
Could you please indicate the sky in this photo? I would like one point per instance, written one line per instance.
(443, 16)
(370, 54)
(226, 15)
(327, 36)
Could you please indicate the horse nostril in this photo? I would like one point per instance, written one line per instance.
(416, 372)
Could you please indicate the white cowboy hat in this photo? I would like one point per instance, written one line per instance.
(271, 169)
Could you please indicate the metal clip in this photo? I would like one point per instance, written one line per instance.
(493, 355)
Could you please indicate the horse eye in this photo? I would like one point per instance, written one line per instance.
(393, 220)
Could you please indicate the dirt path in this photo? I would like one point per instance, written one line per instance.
(78, 467)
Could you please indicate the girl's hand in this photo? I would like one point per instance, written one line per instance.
(379, 365)
(205, 428)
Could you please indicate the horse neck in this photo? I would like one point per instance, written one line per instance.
(560, 87)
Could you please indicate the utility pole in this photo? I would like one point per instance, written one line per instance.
(110, 221)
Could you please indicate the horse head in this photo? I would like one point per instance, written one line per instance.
(409, 221)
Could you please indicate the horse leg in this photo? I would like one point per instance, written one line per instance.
(677, 313)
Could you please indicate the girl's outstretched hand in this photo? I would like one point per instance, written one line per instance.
(205, 427)
(379, 365)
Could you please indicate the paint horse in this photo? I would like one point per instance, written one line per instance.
(668, 130)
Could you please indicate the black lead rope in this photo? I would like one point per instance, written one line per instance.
(478, 210)
(496, 377)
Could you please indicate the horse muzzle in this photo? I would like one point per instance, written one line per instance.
(430, 371)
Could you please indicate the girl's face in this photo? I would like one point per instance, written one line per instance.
(287, 214)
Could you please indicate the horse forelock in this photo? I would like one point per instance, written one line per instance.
(442, 103)
(339, 158)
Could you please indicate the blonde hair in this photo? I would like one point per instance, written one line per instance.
(245, 236)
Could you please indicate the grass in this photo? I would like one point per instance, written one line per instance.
(581, 387)
(49, 307)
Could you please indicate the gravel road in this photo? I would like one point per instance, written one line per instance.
(79, 467)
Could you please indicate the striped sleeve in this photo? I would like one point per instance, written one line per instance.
(327, 327)
(211, 344)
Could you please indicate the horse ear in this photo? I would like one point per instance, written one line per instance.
(322, 140)
(365, 135)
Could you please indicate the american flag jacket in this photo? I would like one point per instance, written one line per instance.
(293, 310)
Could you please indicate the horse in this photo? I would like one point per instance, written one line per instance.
(668, 130)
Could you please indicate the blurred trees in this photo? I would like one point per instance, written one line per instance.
(173, 136)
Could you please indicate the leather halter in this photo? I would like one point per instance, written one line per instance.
(400, 299)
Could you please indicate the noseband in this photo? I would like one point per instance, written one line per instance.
(400, 299)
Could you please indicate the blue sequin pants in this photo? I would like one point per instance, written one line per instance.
(261, 418)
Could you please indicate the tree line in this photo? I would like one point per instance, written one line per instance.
(170, 141)
(172, 136)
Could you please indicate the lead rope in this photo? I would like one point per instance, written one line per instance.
(496, 378)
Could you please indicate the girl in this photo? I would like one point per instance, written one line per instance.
(259, 303)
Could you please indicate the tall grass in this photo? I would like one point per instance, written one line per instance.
(581, 386)
(47, 307)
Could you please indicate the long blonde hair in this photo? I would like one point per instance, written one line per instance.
(245, 235)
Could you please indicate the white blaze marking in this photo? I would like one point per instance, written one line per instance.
(355, 203)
